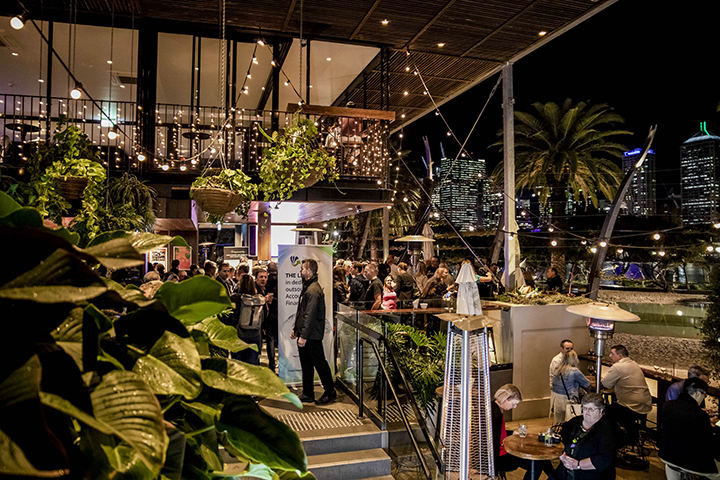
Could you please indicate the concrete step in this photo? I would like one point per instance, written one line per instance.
(344, 442)
(352, 465)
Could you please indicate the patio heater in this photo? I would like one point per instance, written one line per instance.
(414, 247)
(466, 429)
(601, 318)
(307, 235)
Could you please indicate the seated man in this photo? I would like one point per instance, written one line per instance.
(688, 441)
(633, 396)
(674, 391)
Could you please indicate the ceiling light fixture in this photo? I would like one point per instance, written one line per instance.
(76, 92)
(328, 59)
(113, 133)
(18, 22)
(542, 33)
(441, 45)
(385, 22)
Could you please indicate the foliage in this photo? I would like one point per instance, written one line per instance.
(293, 158)
(128, 396)
(710, 327)
(233, 180)
(422, 359)
(567, 146)
(129, 204)
(536, 297)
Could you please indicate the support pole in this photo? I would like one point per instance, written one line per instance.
(386, 232)
(509, 181)
(466, 369)
(147, 86)
(48, 85)
(263, 233)
(275, 97)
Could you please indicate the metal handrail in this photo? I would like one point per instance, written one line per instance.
(375, 338)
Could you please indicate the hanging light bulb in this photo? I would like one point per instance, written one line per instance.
(656, 236)
(661, 253)
(113, 133)
(710, 248)
(183, 168)
(584, 242)
(603, 244)
(166, 167)
(593, 249)
(141, 157)
(18, 22)
(551, 229)
(553, 243)
(76, 92)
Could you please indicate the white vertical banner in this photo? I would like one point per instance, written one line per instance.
(289, 290)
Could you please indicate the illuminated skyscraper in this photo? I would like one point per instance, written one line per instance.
(640, 199)
(700, 183)
(462, 186)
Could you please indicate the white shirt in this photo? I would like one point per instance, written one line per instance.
(556, 361)
(631, 389)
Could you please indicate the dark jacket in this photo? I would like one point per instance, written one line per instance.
(358, 287)
(310, 316)
(600, 444)
(404, 286)
(340, 294)
(497, 416)
(686, 437)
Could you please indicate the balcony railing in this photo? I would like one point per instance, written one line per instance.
(188, 139)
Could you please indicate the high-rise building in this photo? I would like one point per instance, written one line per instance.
(699, 174)
(462, 186)
(640, 199)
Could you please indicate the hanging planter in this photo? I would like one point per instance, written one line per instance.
(294, 161)
(71, 188)
(227, 191)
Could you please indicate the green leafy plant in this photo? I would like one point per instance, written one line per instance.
(232, 180)
(123, 396)
(129, 204)
(294, 161)
(422, 359)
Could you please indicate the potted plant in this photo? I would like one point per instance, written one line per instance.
(220, 192)
(294, 161)
(131, 395)
(63, 172)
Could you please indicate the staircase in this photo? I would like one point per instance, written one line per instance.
(339, 446)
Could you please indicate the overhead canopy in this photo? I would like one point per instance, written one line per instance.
(454, 44)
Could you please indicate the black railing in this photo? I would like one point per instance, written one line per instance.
(355, 330)
(186, 138)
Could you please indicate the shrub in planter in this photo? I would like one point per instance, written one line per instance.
(294, 161)
(222, 192)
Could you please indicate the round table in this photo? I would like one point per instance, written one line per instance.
(532, 449)
(23, 128)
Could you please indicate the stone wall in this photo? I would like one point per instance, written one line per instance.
(662, 351)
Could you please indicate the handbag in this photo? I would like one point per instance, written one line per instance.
(573, 408)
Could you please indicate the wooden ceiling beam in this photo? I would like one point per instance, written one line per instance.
(365, 19)
(288, 17)
(498, 29)
(429, 24)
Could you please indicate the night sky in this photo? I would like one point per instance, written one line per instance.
(653, 62)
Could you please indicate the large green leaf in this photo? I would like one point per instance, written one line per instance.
(13, 214)
(290, 475)
(126, 403)
(256, 435)
(130, 294)
(53, 294)
(242, 378)
(172, 367)
(22, 384)
(141, 241)
(204, 411)
(194, 299)
(224, 336)
(13, 462)
(124, 460)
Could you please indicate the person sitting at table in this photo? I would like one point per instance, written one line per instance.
(591, 444)
(688, 441)
(634, 401)
(674, 390)
(507, 398)
(567, 380)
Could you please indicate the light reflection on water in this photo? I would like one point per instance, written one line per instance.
(673, 320)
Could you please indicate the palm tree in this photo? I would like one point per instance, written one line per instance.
(566, 149)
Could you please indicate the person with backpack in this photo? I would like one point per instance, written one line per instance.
(249, 315)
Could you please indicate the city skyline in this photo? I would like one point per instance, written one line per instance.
(624, 56)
